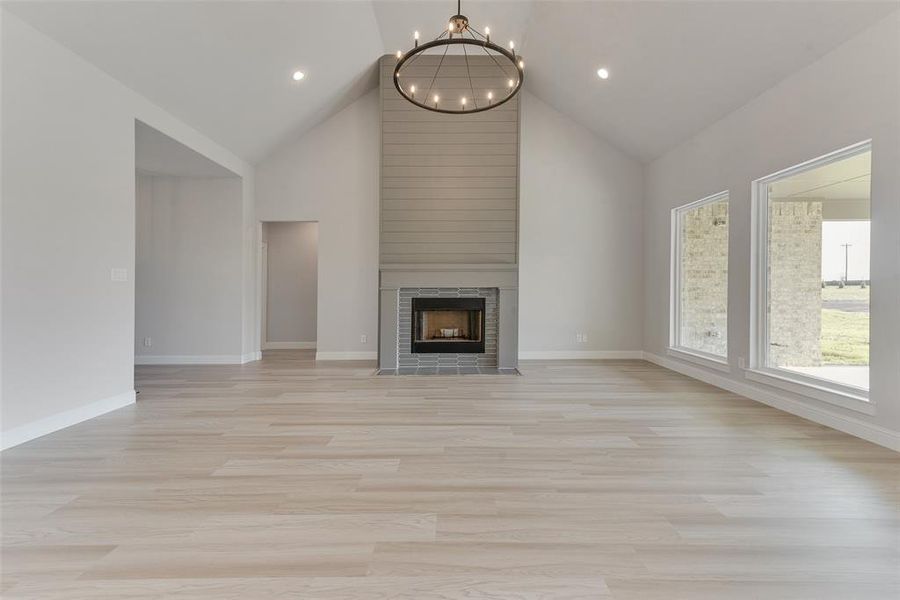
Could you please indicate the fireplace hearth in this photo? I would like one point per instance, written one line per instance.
(444, 325)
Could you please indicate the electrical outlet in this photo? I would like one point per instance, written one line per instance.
(116, 274)
(583, 338)
(148, 342)
(580, 338)
(363, 339)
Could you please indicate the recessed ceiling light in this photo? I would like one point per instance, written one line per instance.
(602, 73)
(298, 75)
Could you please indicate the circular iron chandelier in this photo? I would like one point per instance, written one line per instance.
(479, 75)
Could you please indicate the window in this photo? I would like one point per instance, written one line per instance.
(812, 276)
(700, 279)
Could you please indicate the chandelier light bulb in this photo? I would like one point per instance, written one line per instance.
(512, 45)
(412, 90)
(399, 54)
(436, 98)
(416, 35)
(511, 83)
(602, 73)
(463, 100)
(487, 31)
(490, 95)
(298, 75)
(521, 64)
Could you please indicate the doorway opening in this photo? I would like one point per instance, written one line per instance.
(289, 287)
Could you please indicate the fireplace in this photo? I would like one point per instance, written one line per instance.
(442, 325)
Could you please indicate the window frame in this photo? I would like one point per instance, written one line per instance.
(839, 394)
(675, 348)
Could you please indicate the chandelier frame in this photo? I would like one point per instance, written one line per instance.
(478, 40)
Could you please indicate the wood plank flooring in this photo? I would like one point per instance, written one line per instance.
(291, 479)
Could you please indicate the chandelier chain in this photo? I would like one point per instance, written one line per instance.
(469, 75)
(430, 85)
(484, 49)
(499, 66)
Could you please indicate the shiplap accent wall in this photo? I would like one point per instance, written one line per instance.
(449, 183)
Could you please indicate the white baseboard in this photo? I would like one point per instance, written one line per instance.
(251, 356)
(845, 423)
(41, 427)
(346, 355)
(194, 359)
(579, 354)
(289, 346)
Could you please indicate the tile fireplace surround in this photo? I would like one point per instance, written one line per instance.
(406, 357)
(498, 285)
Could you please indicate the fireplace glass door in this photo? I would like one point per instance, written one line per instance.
(454, 325)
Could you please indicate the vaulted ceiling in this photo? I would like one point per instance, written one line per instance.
(155, 153)
(225, 67)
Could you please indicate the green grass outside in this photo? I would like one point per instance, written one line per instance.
(845, 337)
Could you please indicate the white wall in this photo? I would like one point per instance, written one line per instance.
(330, 175)
(68, 215)
(291, 283)
(579, 242)
(188, 269)
(851, 94)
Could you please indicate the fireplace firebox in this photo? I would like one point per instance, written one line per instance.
(448, 325)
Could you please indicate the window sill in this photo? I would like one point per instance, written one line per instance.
(719, 364)
(819, 391)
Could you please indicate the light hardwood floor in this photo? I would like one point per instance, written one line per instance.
(288, 479)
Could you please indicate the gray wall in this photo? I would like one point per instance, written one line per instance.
(188, 267)
(67, 220)
(580, 250)
(580, 218)
(448, 182)
(292, 282)
(330, 175)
